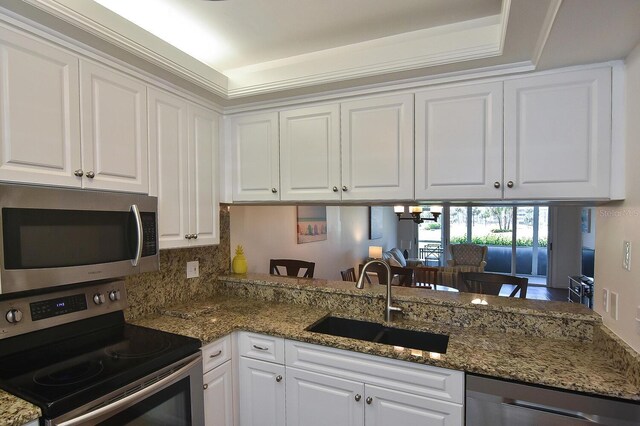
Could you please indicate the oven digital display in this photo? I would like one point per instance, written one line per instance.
(58, 306)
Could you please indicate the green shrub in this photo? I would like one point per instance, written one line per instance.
(433, 226)
(498, 240)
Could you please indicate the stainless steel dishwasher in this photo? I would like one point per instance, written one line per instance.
(493, 402)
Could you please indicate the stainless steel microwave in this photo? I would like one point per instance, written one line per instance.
(52, 236)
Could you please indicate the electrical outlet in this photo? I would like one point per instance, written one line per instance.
(626, 255)
(614, 305)
(605, 299)
(193, 269)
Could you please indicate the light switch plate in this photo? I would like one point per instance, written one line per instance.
(193, 269)
(614, 305)
(605, 299)
(626, 255)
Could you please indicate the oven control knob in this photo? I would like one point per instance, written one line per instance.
(98, 298)
(114, 295)
(14, 316)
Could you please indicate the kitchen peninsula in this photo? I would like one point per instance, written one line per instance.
(553, 344)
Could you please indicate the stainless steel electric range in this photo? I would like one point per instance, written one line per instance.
(70, 352)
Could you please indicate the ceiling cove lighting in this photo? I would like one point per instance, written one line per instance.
(416, 213)
(174, 25)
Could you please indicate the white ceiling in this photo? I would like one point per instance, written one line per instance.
(244, 50)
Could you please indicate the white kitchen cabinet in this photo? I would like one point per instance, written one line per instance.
(458, 150)
(255, 157)
(39, 112)
(390, 407)
(113, 112)
(310, 154)
(218, 396)
(558, 135)
(218, 383)
(377, 148)
(262, 393)
(358, 389)
(183, 151)
(318, 399)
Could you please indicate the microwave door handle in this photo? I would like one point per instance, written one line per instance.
(136, 214)
(132, 399)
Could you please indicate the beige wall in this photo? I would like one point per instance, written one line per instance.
(620, 221)
(268, 232)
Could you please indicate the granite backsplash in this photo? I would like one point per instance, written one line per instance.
(149, 293)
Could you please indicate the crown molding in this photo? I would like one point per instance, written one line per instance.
(465, 41)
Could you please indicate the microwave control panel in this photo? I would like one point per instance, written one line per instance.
(149, 232)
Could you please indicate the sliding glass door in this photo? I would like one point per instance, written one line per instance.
(516, 238)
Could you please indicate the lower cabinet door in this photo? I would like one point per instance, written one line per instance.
(319, 400)
(385, 407)
(218, 396)
(262, 393)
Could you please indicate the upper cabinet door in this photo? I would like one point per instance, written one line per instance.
(310, 153)
(169, 161)
(377, 148)
(254, 143)
(39, 112)
(558, 136)
(203, 186)
(459, 143)
(114, 130)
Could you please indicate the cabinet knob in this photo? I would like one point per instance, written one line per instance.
(344, 188)
(358, 397)
(496, 184)
(278, 378)
(205, 386)
(79, 173)
(194, 236)
(335, 189)
(369, 400)
(510, 184)
(274, 190)
(188, 236)
(90, 174)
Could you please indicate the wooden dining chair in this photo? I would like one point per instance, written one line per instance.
(405, 275)
(425, 277)
(291, 267)
(349, 275)
(489, 283)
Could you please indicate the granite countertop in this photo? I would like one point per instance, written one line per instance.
(15, 412)
(561, 363)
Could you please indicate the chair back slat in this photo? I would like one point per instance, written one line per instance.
(424, 276)
(349, 275)
(291, 267)
(489, 283)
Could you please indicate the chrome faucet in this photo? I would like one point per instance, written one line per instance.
(360, 284)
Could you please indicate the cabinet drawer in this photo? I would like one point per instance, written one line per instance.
(259, 346)
(216, 353)
(424, 380)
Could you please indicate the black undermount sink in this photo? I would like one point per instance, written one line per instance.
(378, 333)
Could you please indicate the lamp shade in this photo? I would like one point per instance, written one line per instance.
(398, 209)
(415, 209)
(375, 252)
(435, 209)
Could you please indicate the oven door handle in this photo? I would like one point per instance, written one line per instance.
(136, 214)
(130, 400)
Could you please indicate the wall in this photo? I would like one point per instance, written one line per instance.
(269, 232)
(620, 221)
(150, 292)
